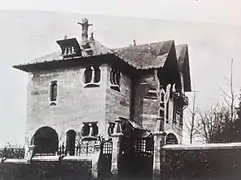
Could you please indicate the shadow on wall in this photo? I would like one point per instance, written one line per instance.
(46, 170)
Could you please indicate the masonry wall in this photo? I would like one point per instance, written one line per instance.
(75, 103)
(146, 109)
(170, 126)
(46, 170)
(118, 102)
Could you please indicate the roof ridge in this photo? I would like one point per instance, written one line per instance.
(151, 43)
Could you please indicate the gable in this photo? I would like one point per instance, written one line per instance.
(146, 56)
(183, 65)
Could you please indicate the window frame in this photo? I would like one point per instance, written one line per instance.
(115, 79)
(95, 76)
(53, 92)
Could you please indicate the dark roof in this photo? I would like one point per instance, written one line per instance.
(183, 65)
(145, 56)
(97, 48)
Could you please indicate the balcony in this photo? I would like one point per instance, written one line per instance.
(181, 99)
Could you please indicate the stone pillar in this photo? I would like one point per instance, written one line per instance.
(116, 137)
(95, 160)
(30, 153)
(159, 138)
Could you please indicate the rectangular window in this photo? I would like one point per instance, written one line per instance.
(53, 91)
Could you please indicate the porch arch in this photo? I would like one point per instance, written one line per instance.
(171, 139)
(45, 140)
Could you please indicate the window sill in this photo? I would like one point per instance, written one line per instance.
(115, 87)
(92, 85)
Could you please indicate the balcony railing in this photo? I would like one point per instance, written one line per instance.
(181, 98)
(81, 149)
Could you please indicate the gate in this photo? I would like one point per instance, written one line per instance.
(136, 157)
(104, 163)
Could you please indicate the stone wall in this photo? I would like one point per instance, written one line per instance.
(146, 109)
(118, 102)
(75, 103)
(46, 170)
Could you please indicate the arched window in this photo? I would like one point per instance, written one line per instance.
(90, 129)
(92, 75)
(88, 74)
(53, 91)
(115, 79)
(46, 141)
(85, 130)
(95, 129)
(167, 112)
(70, 142)
(171, 139)
(112, 76)
(111, 128)
(97, 74)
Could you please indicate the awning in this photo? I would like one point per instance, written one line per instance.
(133, 124)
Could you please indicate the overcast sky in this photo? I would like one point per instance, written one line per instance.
(25, 36)
(227, 11)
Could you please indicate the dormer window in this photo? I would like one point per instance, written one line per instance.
(53, 92)
(69, 51)
(70, 47)
(115, 79)
(92, 76)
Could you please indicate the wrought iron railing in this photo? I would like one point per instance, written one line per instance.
(12, 153)
(182, 98)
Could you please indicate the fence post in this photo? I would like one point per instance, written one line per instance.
(158, 143)
(116, 137)
(30, 153)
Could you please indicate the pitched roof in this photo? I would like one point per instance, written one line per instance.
(96, 47)
(145, 56)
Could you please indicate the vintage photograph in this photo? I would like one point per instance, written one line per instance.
(120, 90)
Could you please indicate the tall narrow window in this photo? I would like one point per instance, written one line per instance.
(115, 79)
(174, 114)
(88, 74)
(53, 91)
(167, 111)
(70, 142)
(97, 74)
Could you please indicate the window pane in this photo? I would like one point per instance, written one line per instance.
(97, 75)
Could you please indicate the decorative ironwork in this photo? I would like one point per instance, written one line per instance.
(181, 99)
(88, 148)
(143, 146)
(107, 147)
(12, 153)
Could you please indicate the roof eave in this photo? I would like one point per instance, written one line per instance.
(187, 87)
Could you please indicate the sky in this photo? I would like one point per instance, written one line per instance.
(227, 11)
(211, 30)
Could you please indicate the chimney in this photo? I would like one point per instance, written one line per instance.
(85, 27)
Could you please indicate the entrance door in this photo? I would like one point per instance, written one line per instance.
(136, 157)
(46, 141)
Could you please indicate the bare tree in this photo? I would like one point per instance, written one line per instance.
(191, 126)
(230, 97)
(212, 123)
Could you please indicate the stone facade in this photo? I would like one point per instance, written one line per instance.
(133, 94)
(75, 103)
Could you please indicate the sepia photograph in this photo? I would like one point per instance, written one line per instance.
(120, 90)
